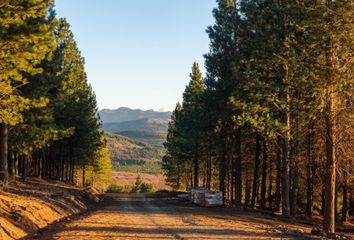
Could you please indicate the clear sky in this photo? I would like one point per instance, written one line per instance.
(139, 53)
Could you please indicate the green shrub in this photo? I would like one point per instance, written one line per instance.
(115, 188)
(139, 187)
(142, 187)
(127, 188)
(146, 188)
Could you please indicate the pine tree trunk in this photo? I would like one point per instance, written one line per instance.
(11, 165)
(24, 167)
(330, 176)
(270, 186)
(345, 196)
(209, 171)
(4, 133)
(256, 171)
(83, 176)
(278, 181)
(248, 186)
(196, 166)
(232, 171)
(238, 169)
(60, 164)
(222, 171)
(264, 176)
(351, 200)
(336, 200)
(286, 160)
(294, 192)
(309, 195)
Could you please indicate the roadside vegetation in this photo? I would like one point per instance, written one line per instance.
(145, 167)
(139, 187)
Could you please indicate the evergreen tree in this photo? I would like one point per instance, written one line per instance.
(26, 39)
(192, 116)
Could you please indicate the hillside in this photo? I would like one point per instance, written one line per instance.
(125, 114)
(125, 151)
(150, 137)
(145, 124)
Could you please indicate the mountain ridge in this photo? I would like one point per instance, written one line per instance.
(124, 114)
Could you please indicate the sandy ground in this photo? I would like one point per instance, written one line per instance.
(125, 216)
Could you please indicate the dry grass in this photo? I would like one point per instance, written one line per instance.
(126, 178)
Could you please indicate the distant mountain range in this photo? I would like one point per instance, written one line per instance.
(145, 124)
(125, 114)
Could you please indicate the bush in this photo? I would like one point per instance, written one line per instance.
(146, 188)
(139, 187)
(142, 187)
(115, 188)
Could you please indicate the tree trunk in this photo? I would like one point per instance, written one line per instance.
(278, 181)
(336, 200)
(286, 160)
(196, 166)
(270, 186)
(24, 167)
(264, 176)
(209, 171)
(345, 196)
(330, 176)
(83, 176)
(222, 171)
(4, 134)
(11, 165)
(294, 192)
(248, 186)
(309, 195)
(256, 171)
(238, 166)
(351, 200)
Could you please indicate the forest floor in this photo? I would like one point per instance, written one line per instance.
(139, 216)
(26, 207)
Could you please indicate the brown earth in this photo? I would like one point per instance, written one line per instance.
(127, 178)
(134, 216)
(28, 206)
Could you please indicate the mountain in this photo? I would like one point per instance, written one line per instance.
(125, 114)
(146, 124)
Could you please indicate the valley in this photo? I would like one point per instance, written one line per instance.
(135, 141)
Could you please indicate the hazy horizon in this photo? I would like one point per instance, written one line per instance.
(145, 110)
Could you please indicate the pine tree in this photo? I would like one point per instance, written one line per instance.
(25, 40)
(192, 116)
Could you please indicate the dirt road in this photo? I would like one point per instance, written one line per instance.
(138, 217)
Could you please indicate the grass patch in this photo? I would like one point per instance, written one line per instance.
(149, 168)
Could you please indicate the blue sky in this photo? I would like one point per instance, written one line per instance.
(139, 53)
